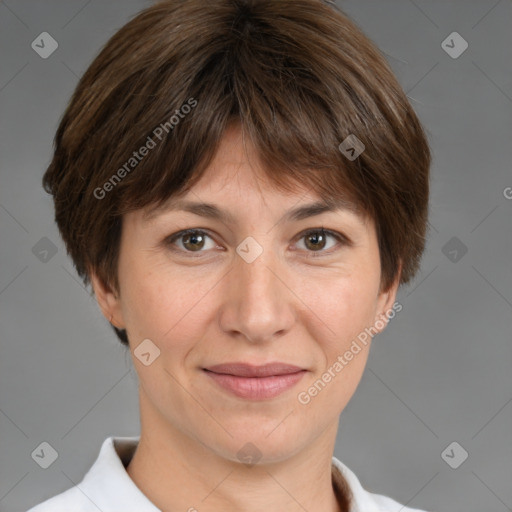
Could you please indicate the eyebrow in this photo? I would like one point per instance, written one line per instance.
(212, 211)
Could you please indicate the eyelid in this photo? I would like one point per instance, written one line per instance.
(340, 237)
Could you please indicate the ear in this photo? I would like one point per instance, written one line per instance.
(385, 301)
(108, 301)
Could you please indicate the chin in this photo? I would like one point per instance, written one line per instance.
(270, 440)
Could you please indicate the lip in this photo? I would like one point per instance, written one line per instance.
(249, 370)
(255, 382)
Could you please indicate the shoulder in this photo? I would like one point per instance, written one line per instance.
(106, 486)
(386, 504)
(72, 499)
(365, 501)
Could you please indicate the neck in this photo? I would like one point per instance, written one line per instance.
(176, 472)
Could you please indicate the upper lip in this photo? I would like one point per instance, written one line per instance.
(248, 370)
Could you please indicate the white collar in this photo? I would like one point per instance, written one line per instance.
(107, 487)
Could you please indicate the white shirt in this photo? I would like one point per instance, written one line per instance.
(107, 487)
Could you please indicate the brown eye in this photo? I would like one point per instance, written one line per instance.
(192, 240)
(316, 241)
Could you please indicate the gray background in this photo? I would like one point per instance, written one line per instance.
(440, 373)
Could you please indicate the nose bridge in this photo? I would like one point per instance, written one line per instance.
(255, 259)
(253, 268)
(257, 304)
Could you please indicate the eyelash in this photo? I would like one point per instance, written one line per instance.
(169, 241)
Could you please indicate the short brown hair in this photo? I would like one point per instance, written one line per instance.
(297, 75)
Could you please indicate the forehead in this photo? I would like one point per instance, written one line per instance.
(235, 174)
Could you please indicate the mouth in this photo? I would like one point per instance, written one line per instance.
(255, 382)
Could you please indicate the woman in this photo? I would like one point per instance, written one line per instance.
(245, 186)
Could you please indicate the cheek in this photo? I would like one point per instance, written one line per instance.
(345, 306)
(147, 301)
(163, 305)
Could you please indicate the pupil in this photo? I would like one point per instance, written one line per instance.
(315, 237)
(192, 238)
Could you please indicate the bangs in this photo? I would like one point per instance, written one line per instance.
(267, 83)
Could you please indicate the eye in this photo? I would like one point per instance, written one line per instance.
(316, 240)
(195, 240)
(192, 240)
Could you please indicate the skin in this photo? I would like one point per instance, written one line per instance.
(210, 307)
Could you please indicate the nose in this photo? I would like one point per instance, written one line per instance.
(258, 304)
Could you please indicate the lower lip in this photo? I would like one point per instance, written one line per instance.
(256, 388)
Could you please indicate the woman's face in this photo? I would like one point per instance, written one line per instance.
(253, 288)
